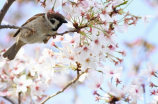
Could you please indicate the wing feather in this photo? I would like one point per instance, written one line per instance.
(29, 20)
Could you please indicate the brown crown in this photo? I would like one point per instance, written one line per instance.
(55, 15)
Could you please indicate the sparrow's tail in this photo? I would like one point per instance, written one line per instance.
(12, 51)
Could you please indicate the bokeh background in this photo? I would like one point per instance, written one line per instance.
(140, 43)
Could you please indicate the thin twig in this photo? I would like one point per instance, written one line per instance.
(78, 72)
(16, 27)
(10, 100)
(5, 8)
(78, 68)
(19, 98)
(70, 31)
(70, 83)
(75, 30)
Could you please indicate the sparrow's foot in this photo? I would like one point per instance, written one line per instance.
(54, 36)
(32, 31)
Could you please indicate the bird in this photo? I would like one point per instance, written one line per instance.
(44, 25)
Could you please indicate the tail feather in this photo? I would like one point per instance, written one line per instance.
(12, 51)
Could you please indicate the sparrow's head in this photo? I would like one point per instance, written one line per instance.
(55, 20)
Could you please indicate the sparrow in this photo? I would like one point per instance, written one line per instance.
(44, 25)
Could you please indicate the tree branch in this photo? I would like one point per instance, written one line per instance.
(70, 31)
(16, 27)
(70, 83)
(19, 98)
(5, 9)
(10, 100)
(75, 30)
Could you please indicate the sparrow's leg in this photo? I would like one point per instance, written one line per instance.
(54, 36)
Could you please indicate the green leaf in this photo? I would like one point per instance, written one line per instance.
(124, 3)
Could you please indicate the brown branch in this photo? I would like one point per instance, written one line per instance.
(75, 30)
(70, 31)
(5, 9)
(78, 68)
(19, 98)
(10, 100)
(70, 83)
(16, 27)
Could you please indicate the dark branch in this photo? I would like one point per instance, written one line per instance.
(10, 100)
(75, 30)
(70, 83)
(5, 9)
(19, 98)
(70, 31)
(16, 27)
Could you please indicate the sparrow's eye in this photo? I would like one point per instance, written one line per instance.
(52, 20)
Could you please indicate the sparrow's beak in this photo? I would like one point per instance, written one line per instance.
(64, 21)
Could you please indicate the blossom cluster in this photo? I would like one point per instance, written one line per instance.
(134, 91)
(86, 50)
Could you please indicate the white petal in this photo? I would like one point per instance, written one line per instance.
(2, 64)
(82, 77)
(28, 82)
(119, 28)
(16, 80)
(23, 77)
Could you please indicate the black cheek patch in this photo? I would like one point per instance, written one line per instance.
(55, 29)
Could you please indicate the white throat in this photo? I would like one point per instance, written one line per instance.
(49, 21)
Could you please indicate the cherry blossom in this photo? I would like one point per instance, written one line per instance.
(71, 40)
(109, 72)
(85, 52)
(46, 69)
(22, 83)
(88, 50)
(16, 67)
(136, 93)
(146, 19)
(69, 58)
(96, 84)
(89, 62)
(38, 88)
(150, 71)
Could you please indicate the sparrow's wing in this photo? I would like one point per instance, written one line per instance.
(31, 19)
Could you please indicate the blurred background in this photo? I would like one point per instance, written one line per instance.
(139, 42)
